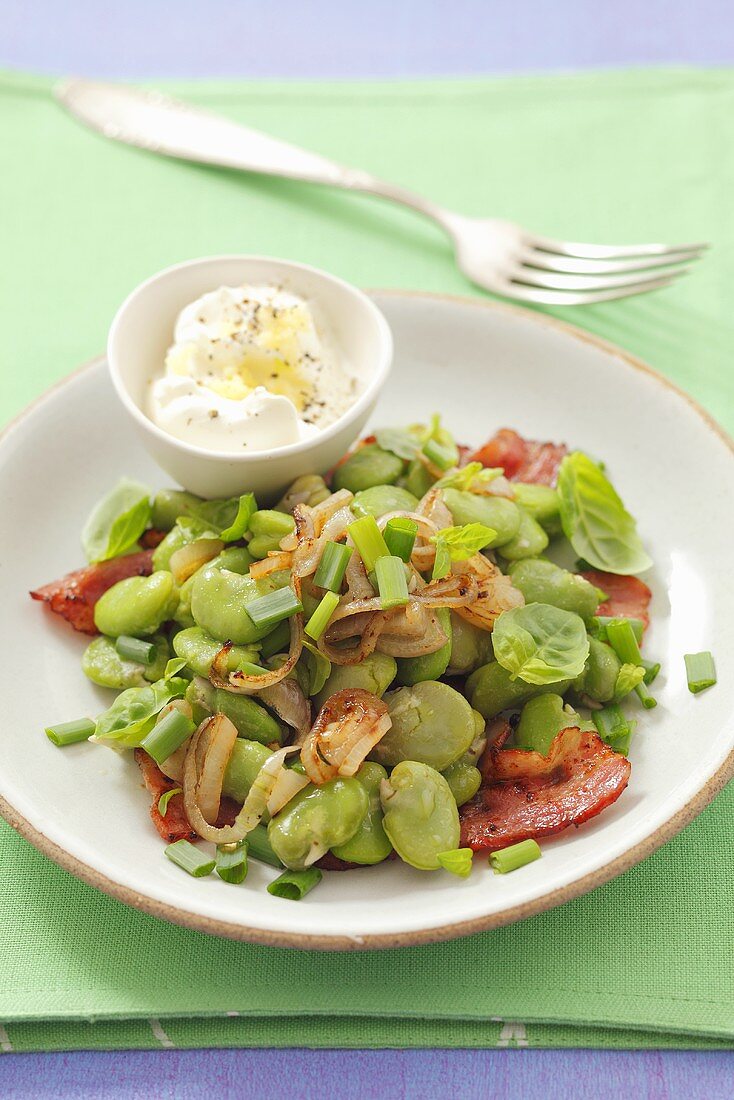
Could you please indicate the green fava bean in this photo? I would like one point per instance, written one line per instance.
(375, 674)
(137, 605)
(219, 601)
(104, 666)
(198, 649)
(529, 541)
(316, 819)
(176, 539)
(169, 504)
(542, 503)
(421, 818)
(237, 559)
(369, 844)
(252, 720)
(431, 723)
(464, 780)
(430, 666)
(470, 646)
(381, 499)
(542, 718)
(272, 524)
(502, 515)
(491, 690)
(418, 480)
(599, 678)
(244, 764)
(544, 582)
(365, 467)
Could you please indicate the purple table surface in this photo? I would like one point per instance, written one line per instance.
(381, 38)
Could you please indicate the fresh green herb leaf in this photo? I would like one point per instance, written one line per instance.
(595, 521)
(473, 474)
(399, 441)
(465, 541)
(117, 522)
(173, 667)
(540, 644)
(166, 798)
(628, 677)
(246, 509)
(442, 561)
(132, 715)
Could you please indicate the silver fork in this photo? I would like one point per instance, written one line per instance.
(498, 256)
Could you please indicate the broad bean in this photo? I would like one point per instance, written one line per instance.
(219, 601)
(470, 646)
(374, 674)
(529, 541)
(542, 718)
(316, 819)
(310, 489)
(170, 504)
(417, 480)
(198, 649)
(381, 499)
(272, 524)
(599, 678)
(137, 605)
(431, 723)
(411, 670)
(421, 818)
(104, 666)
(544, 582)
(369, 844)
(542, 503)
(496, 512)
(245, 762)
(491, 690)
(367, 466)
(464, 779)
(176, 539)
(252, 720)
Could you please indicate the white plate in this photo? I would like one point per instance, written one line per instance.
(482, 366)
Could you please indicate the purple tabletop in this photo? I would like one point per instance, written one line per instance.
(149, 38)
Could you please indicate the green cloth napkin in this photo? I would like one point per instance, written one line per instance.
(644, 961)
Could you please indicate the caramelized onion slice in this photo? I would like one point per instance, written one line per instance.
(347, 728)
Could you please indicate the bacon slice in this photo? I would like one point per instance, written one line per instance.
(175, 825)
(151, 538)
(530, 795)
(74, 596)
(522, 459)
(628, 597)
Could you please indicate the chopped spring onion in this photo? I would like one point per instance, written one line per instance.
(648, 701)
(166, 798)
(601, 623)
(135, 649)
(614, 728)
(276, 641)
(457, 861)
(168, 735)
(400, 535)
(231, 862)
(391, 582)
(700, 671)
(517, 855)
(442, 563)
(319, 621)
(190, 859)
(367, 537)
(272, 608)
(652, 668)
(294, 885)
(258, 846)
(333, 566)
(69, 733)
(440, 455)
(621, 637)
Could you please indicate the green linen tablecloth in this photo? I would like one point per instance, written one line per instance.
(644, 961)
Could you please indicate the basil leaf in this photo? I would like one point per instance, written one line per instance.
(540, 644)
(132, 715)
(245, 511)
(166, 798)
(465, 541)
(595, 520)
(117, 522)
(468, 476)
(398, 441)
(628, 677)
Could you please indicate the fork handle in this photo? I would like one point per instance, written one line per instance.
(167, 126)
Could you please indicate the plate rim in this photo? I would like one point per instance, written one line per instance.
(308, 941)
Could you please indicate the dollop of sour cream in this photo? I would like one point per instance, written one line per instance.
(249, 368)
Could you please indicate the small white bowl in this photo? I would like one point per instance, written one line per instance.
(142, 332)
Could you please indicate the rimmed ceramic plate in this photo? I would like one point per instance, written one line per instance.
(483, 366)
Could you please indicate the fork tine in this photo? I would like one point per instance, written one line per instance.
(548, 280)
(579, 298)
(574, 265)
(611, 251)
